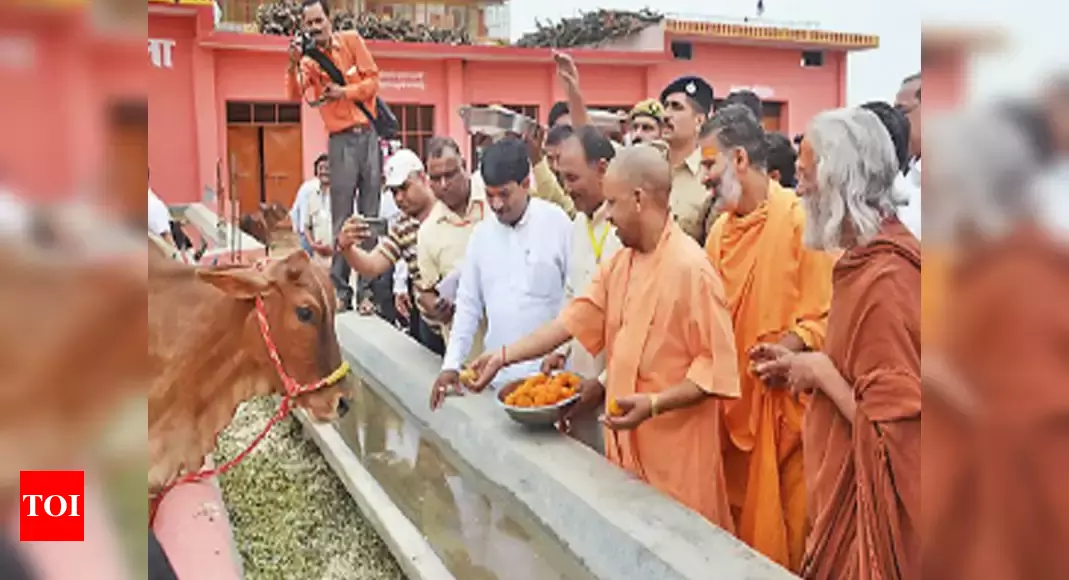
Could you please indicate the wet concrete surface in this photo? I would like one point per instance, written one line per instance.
(477, 533)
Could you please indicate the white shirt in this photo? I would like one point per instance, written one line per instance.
(159, 217)
(516, 275)
(297, 212)
(911, 213)
(586, 242)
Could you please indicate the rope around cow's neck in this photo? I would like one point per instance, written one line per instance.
(292, 388)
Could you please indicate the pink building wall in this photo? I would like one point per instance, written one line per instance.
(188, 101)
(60, 77)
(944, 80)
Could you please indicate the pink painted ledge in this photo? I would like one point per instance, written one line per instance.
(193, 527)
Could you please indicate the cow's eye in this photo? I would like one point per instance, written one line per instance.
(304, 314)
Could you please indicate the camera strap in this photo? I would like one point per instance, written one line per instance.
(328, 66)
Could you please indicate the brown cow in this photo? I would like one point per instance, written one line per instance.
(207, 353)
(272, 227)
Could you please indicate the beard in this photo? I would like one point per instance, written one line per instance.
(824, 212)
(728, 191)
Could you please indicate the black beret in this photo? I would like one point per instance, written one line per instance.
(694, 87)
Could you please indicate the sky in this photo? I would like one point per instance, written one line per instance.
(1034, 28)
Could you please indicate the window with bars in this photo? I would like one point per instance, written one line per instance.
(415, 126)
(245, 113)
(478, 142)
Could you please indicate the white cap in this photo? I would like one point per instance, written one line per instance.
(400, 166)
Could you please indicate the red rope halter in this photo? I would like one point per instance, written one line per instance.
(293, 389)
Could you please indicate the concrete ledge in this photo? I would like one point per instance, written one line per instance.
(617, 526)
(207, 222)
(415, 556)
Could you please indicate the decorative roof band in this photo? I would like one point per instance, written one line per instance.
(773, 34)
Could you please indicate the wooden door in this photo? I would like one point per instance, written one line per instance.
(282, 163)
(243, 155)
(127, 159)
(772, 120)
(770, 123)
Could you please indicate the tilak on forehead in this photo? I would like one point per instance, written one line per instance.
(709, 151)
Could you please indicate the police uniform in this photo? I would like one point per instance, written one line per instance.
(689, 199)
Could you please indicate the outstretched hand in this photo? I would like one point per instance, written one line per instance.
(797, 371)
(447, 383)
(633, 411)
(767, 352)
(487, 366)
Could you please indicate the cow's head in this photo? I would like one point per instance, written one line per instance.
(276, 216)
(255, 226)
(299, 302)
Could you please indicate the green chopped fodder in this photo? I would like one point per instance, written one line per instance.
(292, 518)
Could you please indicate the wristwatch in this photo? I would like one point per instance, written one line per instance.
(653, 405)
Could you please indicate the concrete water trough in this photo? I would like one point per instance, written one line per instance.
(466, 493)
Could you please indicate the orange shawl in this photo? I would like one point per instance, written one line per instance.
(863, 480)
(774, 285)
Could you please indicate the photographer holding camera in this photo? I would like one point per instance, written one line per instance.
(334, 72)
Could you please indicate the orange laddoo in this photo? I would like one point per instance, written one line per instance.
(543, 391)
(613, 408)
(468, 376)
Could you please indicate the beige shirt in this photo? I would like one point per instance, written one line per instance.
(548, 188)
(689, 196)
(442, 242)
(589, 237)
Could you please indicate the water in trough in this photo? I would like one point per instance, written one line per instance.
(475, 531)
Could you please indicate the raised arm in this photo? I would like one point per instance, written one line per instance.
(568, 74)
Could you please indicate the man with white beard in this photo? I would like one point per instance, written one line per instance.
(778, 291)
(862, 431)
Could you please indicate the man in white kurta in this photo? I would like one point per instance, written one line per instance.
(514, 270)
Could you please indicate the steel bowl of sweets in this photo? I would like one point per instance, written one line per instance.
(537, 401)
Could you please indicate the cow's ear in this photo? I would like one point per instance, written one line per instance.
(241, 283)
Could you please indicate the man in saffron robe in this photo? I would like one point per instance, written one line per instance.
(862, 432)
(657, 310)
(778, 291)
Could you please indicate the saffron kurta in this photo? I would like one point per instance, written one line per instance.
(863, 480)
(774, 285)
(661, 318)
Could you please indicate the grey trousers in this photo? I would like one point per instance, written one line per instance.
(355, 179)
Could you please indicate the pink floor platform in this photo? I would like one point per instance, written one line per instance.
(193, 528)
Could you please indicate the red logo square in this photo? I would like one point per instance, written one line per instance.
(51, 506)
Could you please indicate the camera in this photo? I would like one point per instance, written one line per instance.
(306, 41)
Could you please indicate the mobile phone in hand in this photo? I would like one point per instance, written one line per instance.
(377, 225)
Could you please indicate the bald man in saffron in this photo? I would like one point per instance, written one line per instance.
(657, 310)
